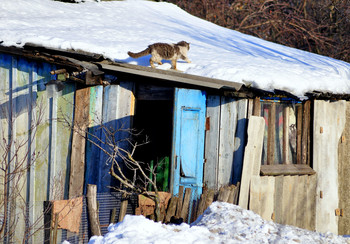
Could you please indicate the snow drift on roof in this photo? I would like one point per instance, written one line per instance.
(113, 28)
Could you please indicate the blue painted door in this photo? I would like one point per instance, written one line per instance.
(188, 140)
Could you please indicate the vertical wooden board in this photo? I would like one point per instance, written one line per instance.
(299, 132)
(289, 201)
(240, 139)
(118, 109)
(310, 214)
(257, 107)
(21, 106)
(5, 73)
(228, 123)
(65, 111)
(344, 176)
(40, 173)
(109, 118)
(255, 194)
(286, 136)
(252, 157)
(278, 212)
(267, 190)
(186, 205)
(81, 120)
(331, 117)
(305, 141)
(92, 150)
(301, 202)
(212, 142)
(271, 134)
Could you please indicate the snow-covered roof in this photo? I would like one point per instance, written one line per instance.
(114, 28)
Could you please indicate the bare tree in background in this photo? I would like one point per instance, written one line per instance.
(322, 27)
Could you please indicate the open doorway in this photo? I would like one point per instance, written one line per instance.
(153, 118)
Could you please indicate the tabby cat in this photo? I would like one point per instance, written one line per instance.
(166, 51)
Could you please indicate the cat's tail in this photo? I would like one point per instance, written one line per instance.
(140, 54)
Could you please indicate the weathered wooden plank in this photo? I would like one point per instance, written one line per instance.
(5, 74)
(40, 174)
(252, 157)
(289, 197)
(186, 204)
(289, 169)
(305, 141)
(301, 202)
(201, 204)
(92, 150)
(171, 210)
(118, 109)
(257, 107)
(240, 139)
(20, 136)
(310, 213)
(255, 194)
(224, 194)
(331, 117)
(228, 123)
(209, 199)
(271, 134)
(81, 120)
(93, 210)
(299, 132)
(262, 196)
(344, 176)
(285, 151)
(267, 189)
(180, 201)
(212, 143)
(65, 111)
(278, 209)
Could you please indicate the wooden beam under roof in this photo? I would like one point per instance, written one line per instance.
(170, 75)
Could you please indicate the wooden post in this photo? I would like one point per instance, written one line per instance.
(271, 131)
(186, 204)
(299, 132)
(306, 134)
(171, 209)
(257, 107)
(179, 201)
(286, 135)
(92, 210)
(81, 122)
(123, 208)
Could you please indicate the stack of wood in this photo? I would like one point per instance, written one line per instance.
(181, 209)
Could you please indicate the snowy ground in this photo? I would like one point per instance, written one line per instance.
(220, 223)
(113, 28)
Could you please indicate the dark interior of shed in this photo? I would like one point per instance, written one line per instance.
(153, 119)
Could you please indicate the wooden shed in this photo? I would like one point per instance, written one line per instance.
(293, 170)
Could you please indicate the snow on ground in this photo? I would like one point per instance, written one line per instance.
(220, 223)
(113, 28)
